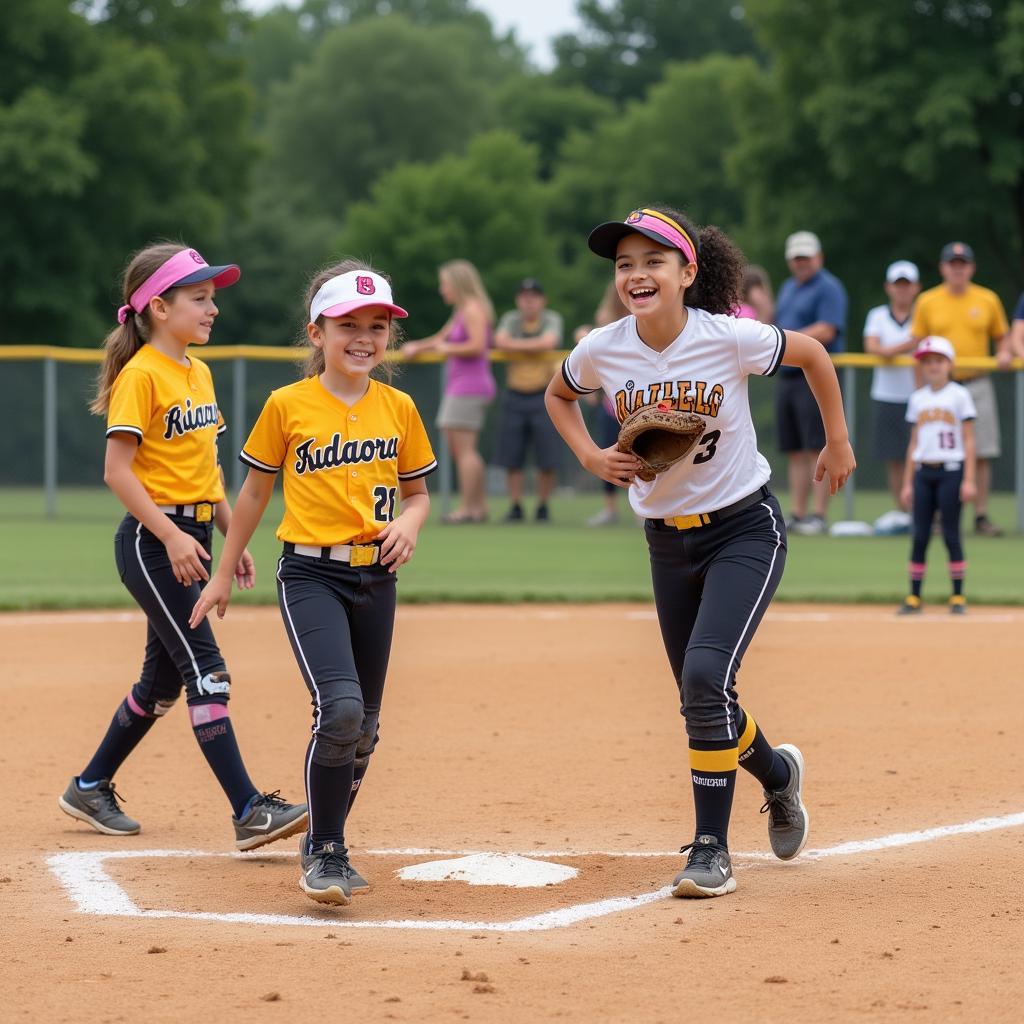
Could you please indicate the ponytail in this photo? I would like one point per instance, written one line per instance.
(126, 339)
(718, 287)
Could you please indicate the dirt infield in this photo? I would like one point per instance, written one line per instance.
(550, 732)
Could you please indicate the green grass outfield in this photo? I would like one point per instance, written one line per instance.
(67, 562)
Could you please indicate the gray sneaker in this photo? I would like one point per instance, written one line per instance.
(787, 817)
(268, 819)
(326, 875)
(810, 526)
(708, 871)
(98, 807)
(357, 883)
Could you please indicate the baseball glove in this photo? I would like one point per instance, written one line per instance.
(659, 436)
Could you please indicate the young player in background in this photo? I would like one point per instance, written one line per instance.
(939, 474)
(161, 462)
(348, 447)
(715, 533)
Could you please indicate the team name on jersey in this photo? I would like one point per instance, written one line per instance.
(310, 459)
(180, 419)
(694, 396)
(936, 416)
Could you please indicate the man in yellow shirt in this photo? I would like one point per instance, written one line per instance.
(971, 317)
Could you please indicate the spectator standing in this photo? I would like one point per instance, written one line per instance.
(887, 334)
(1017, 330)
(530, 327)
(606, 426)
(813, 302)
(469, 384)
(970, 317)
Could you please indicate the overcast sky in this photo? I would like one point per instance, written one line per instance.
(536, 22)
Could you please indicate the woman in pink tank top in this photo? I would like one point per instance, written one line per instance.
(469, 384)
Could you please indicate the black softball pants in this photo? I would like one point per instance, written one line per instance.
(712, 586)
(340, 620)
(175, 655)
(937, 489)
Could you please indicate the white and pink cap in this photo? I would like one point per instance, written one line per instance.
(934, 345)
(351, 291)
(185, 267)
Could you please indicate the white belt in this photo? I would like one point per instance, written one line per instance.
(353, 554)
(201, 511)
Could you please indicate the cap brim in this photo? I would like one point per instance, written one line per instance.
(348, 307)
(604, 239)
(223, 276)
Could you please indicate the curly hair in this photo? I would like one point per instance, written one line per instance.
(718, 287)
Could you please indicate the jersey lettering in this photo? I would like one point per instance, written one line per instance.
(692, 396)
(384, 504)
(710, 442)
(178, 420)
(937, 416)
(310, 459)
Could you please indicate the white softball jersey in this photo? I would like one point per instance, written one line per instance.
(706, 368)
(889, 383)
(939, 416)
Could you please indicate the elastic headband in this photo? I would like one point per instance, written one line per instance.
(654, 224)
(185, 267)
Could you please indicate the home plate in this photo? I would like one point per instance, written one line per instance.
(491, 869)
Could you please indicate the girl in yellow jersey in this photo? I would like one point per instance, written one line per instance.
(350, 447)
(161, 462)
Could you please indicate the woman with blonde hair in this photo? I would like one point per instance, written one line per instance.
(469, 384)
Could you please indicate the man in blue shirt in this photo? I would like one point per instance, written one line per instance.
(811, 301)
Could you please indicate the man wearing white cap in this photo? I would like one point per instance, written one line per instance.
(811, 301)
(887, 334)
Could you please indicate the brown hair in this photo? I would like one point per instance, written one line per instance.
(466, 282)
(718, 285)
(313, 363)
(126, 339)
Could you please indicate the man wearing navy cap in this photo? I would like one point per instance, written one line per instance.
(971, 317)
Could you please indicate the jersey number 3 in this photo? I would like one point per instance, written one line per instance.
(384, 506)
(707, 453)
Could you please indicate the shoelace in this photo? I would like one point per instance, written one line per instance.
(334, 860)
(775, 807)
(111, 797)
(701, 854)
(271, 800)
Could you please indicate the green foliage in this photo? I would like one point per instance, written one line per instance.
(486, 206)
(625, 45)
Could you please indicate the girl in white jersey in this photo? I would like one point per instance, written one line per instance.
(939, 471)
(716, 535)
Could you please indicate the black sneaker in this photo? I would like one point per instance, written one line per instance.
(984, 527)
(542, 514)
(326, 873)
(514, 514)
(708, 871)
(97, 806)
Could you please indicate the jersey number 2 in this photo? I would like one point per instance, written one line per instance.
(707, 453)
(384, 506)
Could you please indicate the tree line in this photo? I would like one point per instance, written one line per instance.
(411, 132)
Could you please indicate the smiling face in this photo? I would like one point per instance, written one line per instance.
(935, 370)
(651, 278)
(186, 314)
(355, 343)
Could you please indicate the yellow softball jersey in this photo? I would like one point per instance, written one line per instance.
(341, 464)
(172, 411)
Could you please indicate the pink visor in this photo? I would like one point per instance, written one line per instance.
(185, 267)
(659, 227)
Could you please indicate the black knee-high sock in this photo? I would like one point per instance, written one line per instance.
(757, 755)
(212, 729)
(328, 792)
(358, 774)
(124, 734)
(713, 774)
